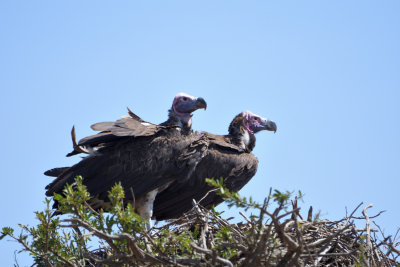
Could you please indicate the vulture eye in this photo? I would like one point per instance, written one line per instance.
(185, 99)
(255, 118)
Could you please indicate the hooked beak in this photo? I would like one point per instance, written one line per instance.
(200, 103)
(269, 125)
(192, 105)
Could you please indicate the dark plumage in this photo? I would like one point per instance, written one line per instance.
(227, 156)
(144, 165)
(143, 156)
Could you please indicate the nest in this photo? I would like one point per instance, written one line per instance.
(272, 238)
(275, 239)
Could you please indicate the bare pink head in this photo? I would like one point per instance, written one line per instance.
(184, 104)
(254, 123)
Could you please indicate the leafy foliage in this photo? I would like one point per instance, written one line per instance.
(280, 237)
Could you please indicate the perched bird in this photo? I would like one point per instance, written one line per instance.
(227, 156)
(142, 156)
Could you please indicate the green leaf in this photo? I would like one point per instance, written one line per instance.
(6, 231)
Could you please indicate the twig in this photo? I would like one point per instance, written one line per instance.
(210, 253)
(369, 245)
(245, 217)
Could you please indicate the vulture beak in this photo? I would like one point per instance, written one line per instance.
(187, 107)
(269, 125)
(200, 103)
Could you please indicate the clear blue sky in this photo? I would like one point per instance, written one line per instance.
(328, 73)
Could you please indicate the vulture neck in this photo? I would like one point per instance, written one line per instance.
(240, 136)
(183, 120)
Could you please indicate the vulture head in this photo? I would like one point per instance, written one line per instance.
(182, 107)
(245, 125)
(254, 123)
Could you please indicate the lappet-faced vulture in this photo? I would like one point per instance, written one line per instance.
(228, 156)
(142, 156)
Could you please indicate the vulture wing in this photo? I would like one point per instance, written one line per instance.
(223, 142)
(144, 164)
(223, 159)
(127, 126)
(110, 132)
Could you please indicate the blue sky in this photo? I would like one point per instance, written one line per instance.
(328, 73)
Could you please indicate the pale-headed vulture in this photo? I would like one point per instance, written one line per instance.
(227, 156)
(142, 156)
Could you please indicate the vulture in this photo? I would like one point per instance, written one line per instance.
(142, 156)
(227, 156)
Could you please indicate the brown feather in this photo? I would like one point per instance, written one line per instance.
(134, 116)
(77, 148)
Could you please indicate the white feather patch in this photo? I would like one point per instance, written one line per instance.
(92, 151)
(245, 139)
(144, 204)
(180, 124)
